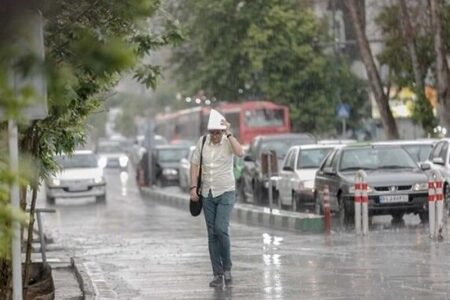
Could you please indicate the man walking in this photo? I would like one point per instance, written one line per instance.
(217, 190)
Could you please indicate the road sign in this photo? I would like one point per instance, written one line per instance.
(343, 111)
(30, 42)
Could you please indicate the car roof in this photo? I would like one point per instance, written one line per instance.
(319, 146)
(408, 142)
(286, 136)
(336, 142)
(80, 152)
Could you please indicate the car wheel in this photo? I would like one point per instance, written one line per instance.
(317, 206)
(345, 217)
(101, 199)
(294, 201)
(423, 215)
(50, 200)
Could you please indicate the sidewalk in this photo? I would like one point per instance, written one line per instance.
(64, 272)
(249, 214)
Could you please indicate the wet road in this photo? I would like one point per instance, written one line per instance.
(138, 249)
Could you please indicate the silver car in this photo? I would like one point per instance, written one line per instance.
(81, 175)
(397, 185)
(296, 179)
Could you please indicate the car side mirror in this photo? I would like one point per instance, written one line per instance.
(438, 161)
(288, 168)
(248, 158)
(329, 171)
(425, 166)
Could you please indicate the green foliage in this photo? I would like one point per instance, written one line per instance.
(396, 56)
(89, 45)
(240, 50)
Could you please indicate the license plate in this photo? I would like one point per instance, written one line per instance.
(77, 188)
(394, 199)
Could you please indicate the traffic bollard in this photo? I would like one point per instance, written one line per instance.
(361, 203)
(439, 209)
(365, 207)
(431, 206)
(436, 205)
(326, 209)
(358, 206)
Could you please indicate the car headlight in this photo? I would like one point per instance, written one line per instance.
(55, 182)
(123, 160)
(422, 186)
(98, 179)
(168, 172)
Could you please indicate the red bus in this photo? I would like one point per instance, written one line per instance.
(248, 119)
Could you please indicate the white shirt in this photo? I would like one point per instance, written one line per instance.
(217, 166)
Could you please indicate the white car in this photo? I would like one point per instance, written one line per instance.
(184, 170)
(114, 154)
(81, 175)
(439, 159)
(296, 178)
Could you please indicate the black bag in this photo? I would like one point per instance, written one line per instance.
(195, 207)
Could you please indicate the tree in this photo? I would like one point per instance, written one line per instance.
(238, 50)
(381, 98)
(409, 37)
(89, 45)
(442, 70)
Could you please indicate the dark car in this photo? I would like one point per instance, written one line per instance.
(254, 186)
(397, 185)
(167, 163)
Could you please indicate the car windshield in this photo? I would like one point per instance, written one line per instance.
(311, 158)
(419, 153)
(376, 158)
(110, 148)
(281, 146)
(77, 161)
(172, 155)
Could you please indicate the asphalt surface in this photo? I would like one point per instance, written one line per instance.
(135, 248)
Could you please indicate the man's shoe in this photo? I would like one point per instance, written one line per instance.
(217, 281)
(228, 278)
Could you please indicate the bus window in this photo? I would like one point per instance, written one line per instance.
(264, 117)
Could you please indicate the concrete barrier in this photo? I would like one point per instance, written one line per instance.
(249, 214)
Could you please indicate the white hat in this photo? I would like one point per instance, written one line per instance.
(215, 118)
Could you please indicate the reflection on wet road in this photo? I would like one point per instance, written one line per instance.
(146, 250)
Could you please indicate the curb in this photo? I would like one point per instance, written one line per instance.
(250, 214)
(83, 278)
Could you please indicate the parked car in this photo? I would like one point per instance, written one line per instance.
(296, 183)
(254, 187)
(397, 185)
(113, 154)
(439, 160)
(419, 149)
(81, 175)
(167, 163)
(185, 169)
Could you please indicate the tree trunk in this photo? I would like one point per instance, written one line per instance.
(381, 98)
(442, 71)
(423, 109)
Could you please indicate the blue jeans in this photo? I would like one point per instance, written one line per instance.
(217, 213)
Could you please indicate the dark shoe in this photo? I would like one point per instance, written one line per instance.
(217, 281)
(228, 278)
